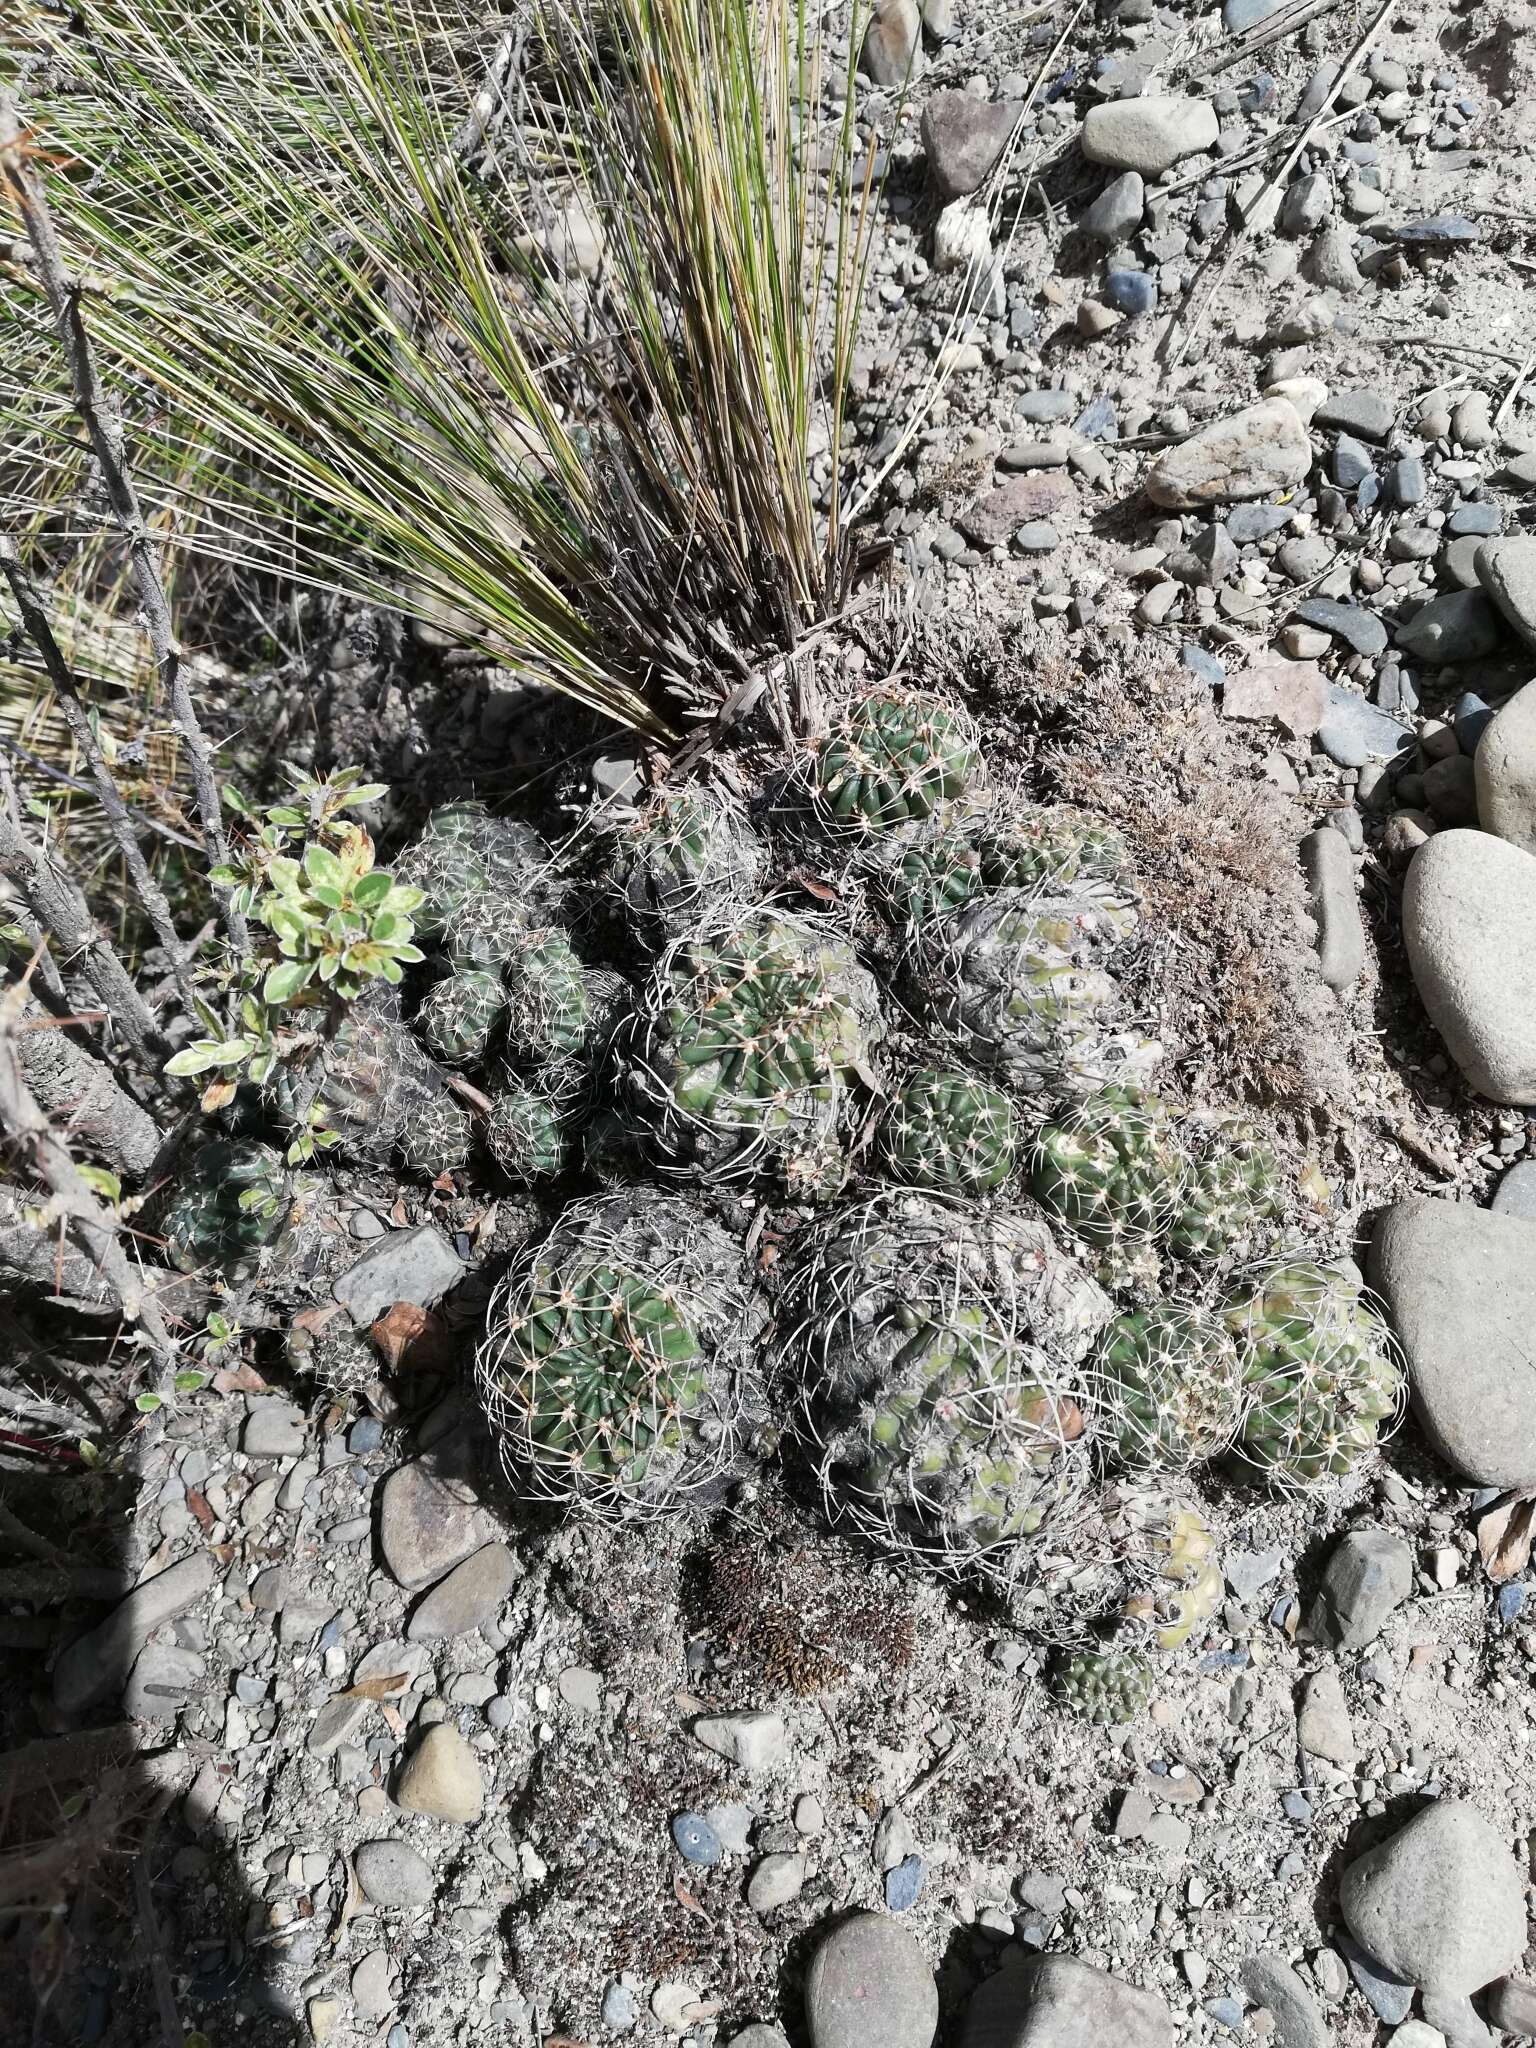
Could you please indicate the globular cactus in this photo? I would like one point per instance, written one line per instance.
(1167, 1553)
(1018, 982)
(1041, 850)
(342, 1360)
(229, 1205)
(1169, 1386)
(936, 1353)
(1110, 1171)
(464, 854)
(1320, 1369)
(615, 1368)
(749, 1044)
(893, 759)
(949, 1131)
(1232, 1187)
(484, 933)
(548, 1005)
(459, 1015)
(683, 858)
(434, 1136)
(527, 1134)
(1108, 1687)
(360, 1082)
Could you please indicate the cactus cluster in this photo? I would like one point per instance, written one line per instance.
(750, 1047)
(1108, 1687)
(1043, 850)
(615, 1368)
(1109, 1170)
(229, 1205)
(950, 1130)
(934, 1352)
(1321, 1374)
(893, 760)
(682, 859)
(1169, 1381)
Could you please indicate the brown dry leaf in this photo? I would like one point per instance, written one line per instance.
(686, 1900)
(352, 1903)
(822, 891)
(318, 1318)
(1505, 1536)
(374, 1688)
(412, 1339)
(394, 1718)
(217, 1095)
(238, 1379)
(199, 1506)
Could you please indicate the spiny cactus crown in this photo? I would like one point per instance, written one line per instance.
(526, 1134)
(1110, 1169)
(434, 1136)
(1320, 1369)
(935, 1352)
(232, 1199)
(1169, 1382)
(1231, 1186)
(547, 1007)
(459, 1014)
(1107, 1687)
(892, 760)
(951, 1131)
(605, 1370)
(685, 857)
(751, 1044)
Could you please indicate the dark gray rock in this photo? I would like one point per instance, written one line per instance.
(1389, 1997)
(394, 1875)
(470, 1596)
(1516, 1192)
(964, 137)
(417, 1265)
(1058, 2002)
(1368, 1576)
(1353, 732)
(1441, 1903)
(1357, 628)
(1366, 413)
(1459, 625)
(870, 1983)
(1270, 1981)
(1460, 1285)
(1116, 214)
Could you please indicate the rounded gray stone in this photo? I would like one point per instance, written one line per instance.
(1460, 1286)
(1507, 571)
(1330, 872)
(1469, 924)
(394, 1875)
(1441, 1903)
(471, 1594)
(1505, 767)
(1270, 1981)
(1459, 625)
(1369, 1575)
(870, 1986)
(758, 2036)
(430, 1518)
(1515, 1194)
(1261, 449)
(1148, 134)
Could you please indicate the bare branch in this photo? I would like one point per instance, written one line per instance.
(72, 1084)
(106, 434)
(93, 1228)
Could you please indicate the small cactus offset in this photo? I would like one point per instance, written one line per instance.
(1107, 1687)
(1016, 982)
(526, 1134)
(950, 1131)
(464, 854)
(1232, 1187)
(1168, 1382)
(450, 874)
(1167, 1552)
(936, 1355)
(434, 1136)
(1321, 1375)
(893, 760)
(749, 1047)
(229, 1205)
(459, 1015)
(685, 858)
(547, 1001)
(1037, 850)
(1110, 1170)
(614, 1368)
(485, 932)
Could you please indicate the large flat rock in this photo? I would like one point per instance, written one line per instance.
(1460, 1287)
(1261, 449)
(1507, 571)
(1505, 766)
(1469, 923)
(1440, 1903)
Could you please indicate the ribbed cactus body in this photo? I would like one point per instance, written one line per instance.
(1110, 1169)
(1107, 1687)
(526, 1134)
(1170, 1385)
(230, 1202)
(893, 759)
(460, 1014)
(434, 1136)
(1232, 1187)
(1322, 1378)
(950, 1131)
(750, 1046)
(613, 1371)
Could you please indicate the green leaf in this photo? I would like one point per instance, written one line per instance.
(322, 866)
(284, 981)
(369, 793)
(285, 814)
(90, 1456)
(217, 1325)
(372, 890)
(147, 1403)
(102, 1181)
(323, 892)
(192, 1059)
(189, 1382)
(223, 877)
(236, 802)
